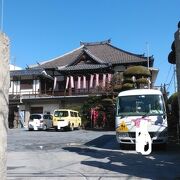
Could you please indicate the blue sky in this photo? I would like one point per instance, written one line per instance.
(40, 30)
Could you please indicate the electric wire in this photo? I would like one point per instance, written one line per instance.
(168, 73)
(169, 84)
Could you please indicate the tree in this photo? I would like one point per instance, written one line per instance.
(4, 89)
(136, 77)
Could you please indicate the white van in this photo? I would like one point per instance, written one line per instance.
(141, 103)
(40, 122)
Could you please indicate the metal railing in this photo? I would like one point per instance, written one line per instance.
(49, 93)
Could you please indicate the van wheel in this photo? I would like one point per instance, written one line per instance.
(44, 128)
(79, 127)
(72, 127)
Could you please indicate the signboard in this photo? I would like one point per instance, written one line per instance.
(122, 127)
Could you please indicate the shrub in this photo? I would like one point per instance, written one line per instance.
(173, 101)
(142, 81)
(137, 71)
(127, 86)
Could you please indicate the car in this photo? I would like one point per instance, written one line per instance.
(66, 118)
(40, 122)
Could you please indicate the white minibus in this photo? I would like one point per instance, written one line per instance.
(140, 104)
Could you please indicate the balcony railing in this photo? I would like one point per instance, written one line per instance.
(49, 93)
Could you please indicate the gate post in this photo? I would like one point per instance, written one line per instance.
(4, 101)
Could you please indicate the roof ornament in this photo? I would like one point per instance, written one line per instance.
(108, 41)
(27, 67)
(38, 63)
(179, 25)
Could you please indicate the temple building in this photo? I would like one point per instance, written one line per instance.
(68, 80)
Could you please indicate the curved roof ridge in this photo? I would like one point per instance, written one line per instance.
(81, 47)
(138, 55)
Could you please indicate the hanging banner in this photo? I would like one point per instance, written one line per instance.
(55, 82)
(109, 78)
(91, 81)
(67, 82)
(97, 79)
(84, 82)
(72, 81)
(79, 82)
(104, 80)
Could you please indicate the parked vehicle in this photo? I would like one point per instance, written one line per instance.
(40, 122)
(66, 118)
(137, 105)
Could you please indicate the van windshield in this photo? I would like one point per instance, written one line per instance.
(61, 114)
(137, 105)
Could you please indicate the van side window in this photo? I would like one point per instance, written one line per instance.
(46, 116)
(72, 114)
(75, 114)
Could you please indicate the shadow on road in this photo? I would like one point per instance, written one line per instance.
(105, 154)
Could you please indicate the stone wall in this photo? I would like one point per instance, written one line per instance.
(4, 89)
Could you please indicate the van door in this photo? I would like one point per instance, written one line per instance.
(76, 119)
(72, 118)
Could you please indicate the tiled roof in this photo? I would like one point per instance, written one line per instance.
(113, 55)
(83, 67)
(102, 52)
(62, 60)
(30, 72)
(26, 72)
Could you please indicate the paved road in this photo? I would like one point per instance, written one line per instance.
(83, 155)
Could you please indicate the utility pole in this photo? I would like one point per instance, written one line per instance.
(4, 101)
(177, 52)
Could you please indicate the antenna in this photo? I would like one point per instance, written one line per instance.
(14, 63)
(147, 46)
(2, 14)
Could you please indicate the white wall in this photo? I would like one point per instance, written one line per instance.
(47, 107)
(15, 88)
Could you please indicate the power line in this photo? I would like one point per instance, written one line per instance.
(175, 88)
(169, 84)
(168, 73)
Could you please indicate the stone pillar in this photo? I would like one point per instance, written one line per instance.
(4, 101)
(177, 52)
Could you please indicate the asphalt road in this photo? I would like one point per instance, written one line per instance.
(84, 154)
